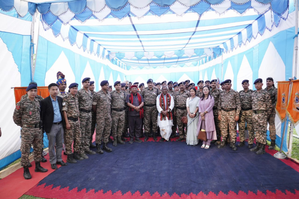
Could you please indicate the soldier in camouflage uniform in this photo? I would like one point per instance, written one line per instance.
(180, 100)
(229, 108)
(199, 91)
(102, 106)
(27, 116)
(172, 93)
(93, 115)
(262, 108)
(85, 106)
(149, 95)
(127, 92)
(118, 100)
(246, 114)
(61, 82)
(141, 87)
(272, 91)
(215, 92)
(70, 108)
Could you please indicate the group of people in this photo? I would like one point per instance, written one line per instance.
(71, 118)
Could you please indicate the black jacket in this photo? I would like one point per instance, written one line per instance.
(47, 113)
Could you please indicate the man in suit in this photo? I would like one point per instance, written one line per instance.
(52, 120)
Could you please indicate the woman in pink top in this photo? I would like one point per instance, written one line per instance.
(205, 109)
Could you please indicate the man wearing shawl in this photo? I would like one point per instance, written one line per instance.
(165, 104)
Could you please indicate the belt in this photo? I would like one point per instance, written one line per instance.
(258, 111)
(73, 119)
(31, 125)
(150, 105)
(118, 109)
(246, 109)
(86, 111)
(57, 123)
(182, 108)
(228, 110)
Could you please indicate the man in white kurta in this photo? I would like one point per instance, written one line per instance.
(165, 104)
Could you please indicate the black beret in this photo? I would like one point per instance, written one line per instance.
(85, 79)
(258, 80)
(72, 85)
(123, 85)
(142, 84)
(222, 83)
(270, 79)
(187, 81)
(31, 86)
(181, 83)
(149, 81)
(91, 82)
(110, 86)
(117, 82)
(136, 83)
(130, 82)
(163, 82)
(104, 82)
(207, 81)
(227, 81)
(245, 80)
(170, 83)
(214, 80)
(200, 81)
(33, 83)
(158, 83)
(175, 85)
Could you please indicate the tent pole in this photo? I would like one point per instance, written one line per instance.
(296, 42)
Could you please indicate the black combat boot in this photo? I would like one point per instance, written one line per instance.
(250, 146)
(105, 148)
(256, 148)
(70, 159)
(261, 149)
(88, 151)
(43, 159)
(155, 137)
(39, 168)
(146, 137)
(241, 144)
(115, 142)
(222, 144)
(138, 140)
(99, 150)
(120, 141)
(92, 145)
(233, 146)
(84, 156)
(76, 156)
(272, 146)
(27, 174)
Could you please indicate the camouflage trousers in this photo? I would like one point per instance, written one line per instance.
(125, 129)
(85, 126)
(179, 114)
(272, 129)
(246, 117)
(118, 123)
(103, 128)
(93, 125)
(31, 136)
(217, 124)
(228, 124)
(260, 127)
(73, 135)
(150, 117)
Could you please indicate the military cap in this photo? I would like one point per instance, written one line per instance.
(245, 80)
(85, 79)
(130, 82)
(270, 79)
(222, 83)
(123, 85)
(187, 81)
(117, 82)
(181, 83)
(104, 82)
(158, 83)
(142, 84)
(258, 80)
(200, 81)
(207, 81)
(170, 82)
(227, 81)
(175, 85)
(31, 86)
(33, 83)
(91, 83)
(214, 80)
(163, 82)
(136, 83)
(149, 81)
(72, 85)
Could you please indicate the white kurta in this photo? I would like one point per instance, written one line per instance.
(165, 125)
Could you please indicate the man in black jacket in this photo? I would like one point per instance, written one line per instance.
(52, 120)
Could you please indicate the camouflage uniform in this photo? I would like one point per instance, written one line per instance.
(103, 102)
(125, 130)
(180, 100)
(216, 93)
(199, 93)
(173, 93)
(271, 119)
(93, 121)
(27, 115)
(71, 106)
(118, 100)
(38, 97)
(85, 105)
(62, 95)
(262, 108)
(228, 107)
(246, 116)
(150, 110)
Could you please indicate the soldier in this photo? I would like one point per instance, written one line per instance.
(199, 91)
(102, 106)
(228, 112)
(27, 116)
(136, 83)
(262, 108)
(125, 131)
(72, 132)
(163, 83)
(85, 106)
(170, 90)
(215, 92)
(187, 82)
(158, 86)
(272, 91)
(176, 88)
(180, 100)
(207, 83)
(93, 115)
(149, 95)
(172, 93)
(246, 114)
(118, 101)
(61, 82)
(141, 87)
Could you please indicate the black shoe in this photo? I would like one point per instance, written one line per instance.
(92, 146)
(76, 156)
(180, 139)
(162, 140)
(146, 137)
(53, 166)
(261, 149)
(120, 141)
(131, 141)
(84, 156)
(241, 144)
(39, 168)
(70, 159)
(90, 152)
(256, 148)
(138, 140)
(27, 174)
(105, 148)
(222, 144)
(44, 159)
(61, 163)
(250, 146)
(29, 165)
(233, 146)
(272, 145)
(99, 150)
(155, 137)
(115, 142)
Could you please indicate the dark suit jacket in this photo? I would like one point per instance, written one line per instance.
(47, 113)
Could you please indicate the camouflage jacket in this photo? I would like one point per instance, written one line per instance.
(70, 105)
(180, 99)
(273, 95)
(62, 95)
(103, 102)
(38, 97)
(246, 100)
(149, 96)
(215, 93)
(229, 100)
(261, 101)
(199, 93)
(84, 99)
(118, 99)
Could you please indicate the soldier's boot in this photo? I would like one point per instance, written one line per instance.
(88, 151)
(256, 148)
(146, 137)
(241, 144)
(105, 148)
(92, 145)
(70, 159)
(43, 159)
(233, 146)
(272, 145)
(155, 137)
(115, 141)
(120, 141)
(76, 156)
(99, 150)
(261, 149)
(27, 174)
(39, 168)
(222, 144)
(250, 146)
(84, 156)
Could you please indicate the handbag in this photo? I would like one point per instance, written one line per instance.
(202, 135)
(184, 120)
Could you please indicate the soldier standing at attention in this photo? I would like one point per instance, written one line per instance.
(61, 82)
(199, 91)
(262, 108)
(207, 83)
(141, 87)
(215, 92)
(272, 91)
(180, 100)
(158, 86)
(176, 88)
(118, 100)
(93, 115)
(125, 130)
(27, 116)
(228, 112)
(102, 106)
(187, 82)
(246, 114)
(85, 106)
(149, 96)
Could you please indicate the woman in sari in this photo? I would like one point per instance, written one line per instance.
(192, 115)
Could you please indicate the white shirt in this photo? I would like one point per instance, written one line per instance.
(159, 108)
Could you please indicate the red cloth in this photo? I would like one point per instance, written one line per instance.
(165, 106)
(141, 112)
